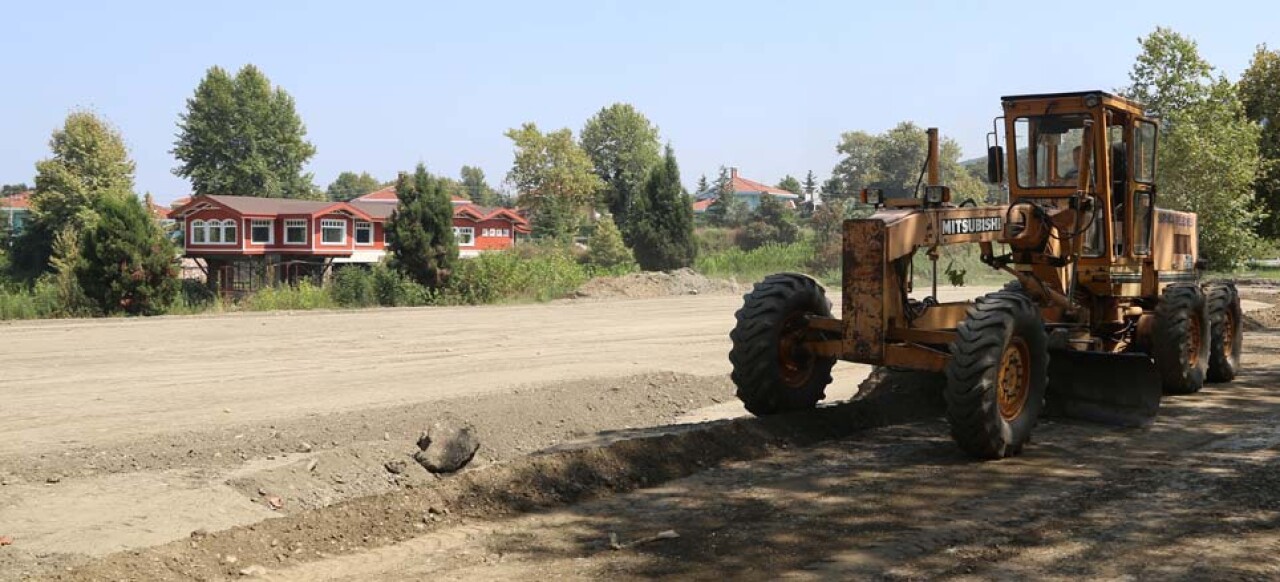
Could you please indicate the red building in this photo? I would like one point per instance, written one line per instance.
(242, 242)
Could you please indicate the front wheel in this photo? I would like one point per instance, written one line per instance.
(997, 375)
(1180, 342)
(772, 369)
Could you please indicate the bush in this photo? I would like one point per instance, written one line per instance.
(714, 240)
(357, 286)
(532, 273)
(606, 247)
(127, 263)
(303, 296)
(352, 286)
(755, 264)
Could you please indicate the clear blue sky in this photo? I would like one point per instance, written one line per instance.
(765, 86)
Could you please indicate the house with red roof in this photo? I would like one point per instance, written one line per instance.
(242, 242)
(749, 191)
(15, 211)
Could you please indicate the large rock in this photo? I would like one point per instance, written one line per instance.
(447, 447)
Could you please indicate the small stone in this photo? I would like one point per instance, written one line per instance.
(311, 466)
(230, 559)
(386, 436)
(275, 502)
(53, 479)
(262, 491)
(6, 541)
(199, 534)
(226, 411)
(304, 447)
(396, 467)
(253, 571)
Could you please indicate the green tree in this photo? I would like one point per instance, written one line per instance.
(791, 184)
(703, 185)
(1260, 92)
(476, 188)
(555, 180)
(810, 186)
(623, 146)
(894, 161)
(1208, 156)
(420, 231)
(662, 225)
(833, 189)
(350, 185)
(772, 222)
(241, 136)
(89, 161)
(828, 236)
(11, 189)
(606, 247)
(127, 264)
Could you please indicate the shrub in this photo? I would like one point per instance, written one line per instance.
(757, 263)
(303, 296)
(714, 240)
(357, 286)
(536, 273)
(127, 264)
(606, 247)
(352, 286)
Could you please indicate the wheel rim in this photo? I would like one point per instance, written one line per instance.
(795, 363)
(1193, 346)
(1014, 380)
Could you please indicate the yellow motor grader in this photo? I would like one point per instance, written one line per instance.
(1105, 311)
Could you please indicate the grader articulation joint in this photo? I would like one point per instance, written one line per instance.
(1103, 313)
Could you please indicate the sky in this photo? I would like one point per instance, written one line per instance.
(767, 87)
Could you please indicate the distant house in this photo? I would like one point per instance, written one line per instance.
(242, 243)
(749, 191)
(15, 211)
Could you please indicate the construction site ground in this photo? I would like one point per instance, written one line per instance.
(259, 446)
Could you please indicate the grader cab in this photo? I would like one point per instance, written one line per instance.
(1103, 314)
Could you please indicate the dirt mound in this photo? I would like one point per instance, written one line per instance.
(651, 284)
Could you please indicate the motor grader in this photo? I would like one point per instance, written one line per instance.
(1104, 312)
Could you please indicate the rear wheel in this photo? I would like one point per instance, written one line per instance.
(772, 369)
(997, 375)
(1226, 335)
(1180, 339)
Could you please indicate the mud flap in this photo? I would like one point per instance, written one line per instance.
(1115, 389)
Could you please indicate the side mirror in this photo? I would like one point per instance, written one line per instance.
(995, 164)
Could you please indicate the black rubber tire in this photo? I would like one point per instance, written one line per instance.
(1171, 339)
(757, 370)
(1226, 324)
(973, 409)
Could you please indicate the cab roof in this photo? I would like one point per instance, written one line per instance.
(1100, 94)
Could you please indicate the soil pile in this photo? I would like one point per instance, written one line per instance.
(656, 284)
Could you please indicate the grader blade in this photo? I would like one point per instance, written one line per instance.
(1115, 389)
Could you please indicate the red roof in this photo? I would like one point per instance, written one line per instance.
(388, 194)
(255, 206)
(741, 184)
(703, 205)
(19, 200)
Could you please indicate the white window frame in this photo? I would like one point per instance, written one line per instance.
(333, 223)
(296, 223)
(259, 223)
(364, 225)
(197, 226)
(471, 232)
(229, 227)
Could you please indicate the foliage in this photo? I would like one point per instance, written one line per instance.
(420, 231)
(703, 185)
(757, 263)
(533, 273)
(350, 185)
(661, 229)
(623, 147)
(834, 189)
(714, 240)
(127, 264)
(828, 240)
(300, 297)
(1208, 155)
(89, 161)
(1260, 92)
(357, 286)
(895, 160)
(555, 180)
(241, 136)
(476, 189)
(771, 223)
(67, 262)
(792, 185)
(11, 189)
(607, 248)
(810, 186)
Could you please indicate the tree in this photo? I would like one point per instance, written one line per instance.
(89, 161)
(810, 186)
(476, 189)
(791, 184)
(772, 222)
(833, 189)
(1260, 92)
(555, 180)
(127, 264)
(894, 161)
(703, 185)
(606, 247)
(1208, 155)
(350, 185)
(623, 146)
(662, 225)
(828, 236)
(241, 136)
(420, 231)
(11, 189)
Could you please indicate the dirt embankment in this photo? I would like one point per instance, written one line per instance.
(650, 284)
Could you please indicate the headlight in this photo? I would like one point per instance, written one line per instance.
(935, 195)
